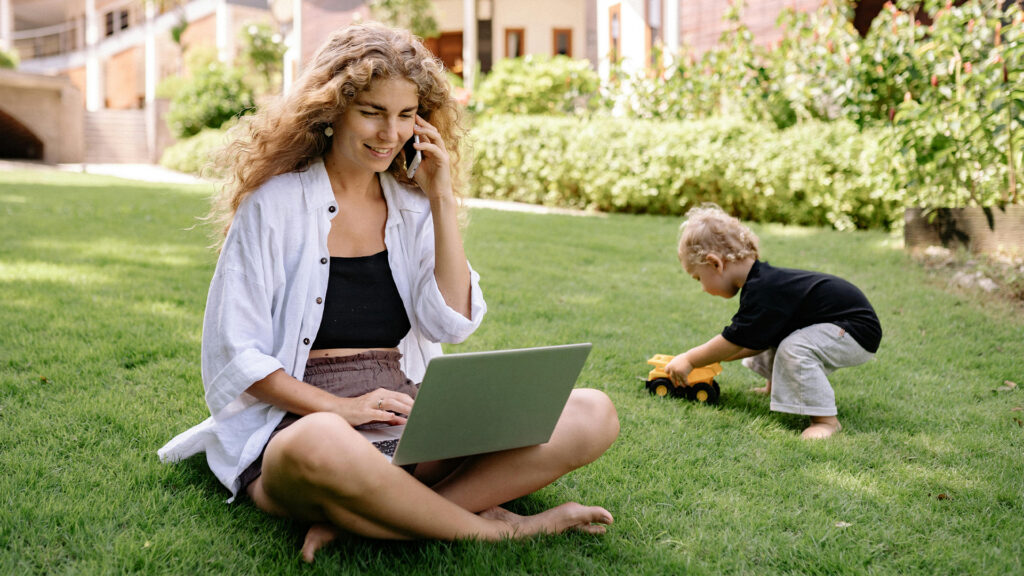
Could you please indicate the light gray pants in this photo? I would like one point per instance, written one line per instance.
(799, 368)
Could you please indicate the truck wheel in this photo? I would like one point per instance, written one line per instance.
(660, 386)
(704, 392)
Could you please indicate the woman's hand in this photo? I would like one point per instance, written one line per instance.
(381, 405)
(434, 175)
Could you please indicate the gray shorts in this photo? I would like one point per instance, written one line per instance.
(347, 377)
(799, 368)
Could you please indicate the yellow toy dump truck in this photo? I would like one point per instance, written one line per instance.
(700, 384)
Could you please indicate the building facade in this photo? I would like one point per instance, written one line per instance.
(115, 52)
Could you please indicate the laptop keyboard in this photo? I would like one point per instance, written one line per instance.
(387, 447)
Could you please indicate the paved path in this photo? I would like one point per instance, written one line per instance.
(157, 173)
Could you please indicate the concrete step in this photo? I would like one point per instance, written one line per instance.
(116, 136)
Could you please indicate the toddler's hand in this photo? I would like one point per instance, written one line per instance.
(678, 369)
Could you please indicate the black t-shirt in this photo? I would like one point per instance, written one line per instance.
(775, 302)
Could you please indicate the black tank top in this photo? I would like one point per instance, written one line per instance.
(362, 308)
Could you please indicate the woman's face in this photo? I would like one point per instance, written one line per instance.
(371, 131)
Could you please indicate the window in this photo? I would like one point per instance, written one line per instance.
(109, 20)
(124, 19)
(615, 32)
(514, 42)
(562, 41)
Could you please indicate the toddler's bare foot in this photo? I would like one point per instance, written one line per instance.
(318, 536)
(568, 516)
(766, 389)
(821, 427)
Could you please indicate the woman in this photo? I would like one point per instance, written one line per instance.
(337, 278)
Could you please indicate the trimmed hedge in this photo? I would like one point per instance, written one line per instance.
(818, 174)
(195, 155)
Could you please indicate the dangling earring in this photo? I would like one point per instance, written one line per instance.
(329, 131)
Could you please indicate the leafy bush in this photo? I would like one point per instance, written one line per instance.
(735, 78)
(952, 91)
(813, 174)
(195, 155)
(213, 95)
(416, 16)
(960, 133)
(170, 86)
(263, 54)
(8, 59)
(538, 85)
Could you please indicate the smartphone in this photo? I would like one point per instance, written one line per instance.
(413, 157)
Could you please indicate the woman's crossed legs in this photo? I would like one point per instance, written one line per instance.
(320, 470)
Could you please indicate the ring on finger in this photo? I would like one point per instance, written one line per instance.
(380, 403)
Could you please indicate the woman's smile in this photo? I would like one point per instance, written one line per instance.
(382, 152)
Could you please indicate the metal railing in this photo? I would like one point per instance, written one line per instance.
(49, 41)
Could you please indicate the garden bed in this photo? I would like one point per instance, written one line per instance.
(999, 274)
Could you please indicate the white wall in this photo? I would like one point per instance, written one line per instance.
(632, 33)
(448, 14)
(538, 18)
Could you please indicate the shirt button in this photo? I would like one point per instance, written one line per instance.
(332, 209)
(323, 260)
(319, 300)
(305, 341)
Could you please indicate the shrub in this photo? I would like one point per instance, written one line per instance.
(538, 85)
(195, 155)
(960, 133)
(169, 87)
(213, 95)
(950, 93)
(812, 174)
(8, 59)
(263, 54)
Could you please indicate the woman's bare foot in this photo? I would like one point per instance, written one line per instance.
(821, 427)
(568, 516)
(318, 536)
(766, 389)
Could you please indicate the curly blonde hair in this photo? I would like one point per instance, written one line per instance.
(287, 134)
(709, 230)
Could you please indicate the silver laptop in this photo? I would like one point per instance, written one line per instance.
(480, 402)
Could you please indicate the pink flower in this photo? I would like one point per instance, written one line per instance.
(461, 95)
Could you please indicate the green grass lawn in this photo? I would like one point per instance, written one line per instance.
(102, 288)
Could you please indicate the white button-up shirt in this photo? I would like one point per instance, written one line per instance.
(262, 312)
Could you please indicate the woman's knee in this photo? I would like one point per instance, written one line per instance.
(320, 449)
(594, 419)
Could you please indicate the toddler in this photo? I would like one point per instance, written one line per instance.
(794, 327)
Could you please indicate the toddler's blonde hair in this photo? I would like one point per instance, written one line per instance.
(709, 230)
